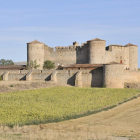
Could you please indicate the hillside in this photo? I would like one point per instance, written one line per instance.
(120, 121)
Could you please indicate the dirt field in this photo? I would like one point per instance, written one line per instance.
(122, 121)
(9, 86)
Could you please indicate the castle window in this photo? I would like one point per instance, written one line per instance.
(120, 57)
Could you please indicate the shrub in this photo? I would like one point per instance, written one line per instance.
(32, 65)
(1, 78)
(104, 86)
(48, 65)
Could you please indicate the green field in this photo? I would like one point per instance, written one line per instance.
(57, 103)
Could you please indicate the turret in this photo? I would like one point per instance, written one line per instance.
(35, 51)
(96, 51)
(114, 75)
(133, 56)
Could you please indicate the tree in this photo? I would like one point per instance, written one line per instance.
(32, 65)
(48, 65)
(6, 62)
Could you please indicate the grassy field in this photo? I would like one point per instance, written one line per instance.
(57, 103)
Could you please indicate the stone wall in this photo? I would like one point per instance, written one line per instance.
(131, 76)
(67, 55)
(114, 76)
(89, 78)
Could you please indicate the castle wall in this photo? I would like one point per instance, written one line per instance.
(67, 55)
(42, 75)
(92, 78)
(131, 76)
(82, 55)
(61, 55)
(119, 54)
(89, 78)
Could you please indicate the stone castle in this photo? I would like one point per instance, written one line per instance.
(90, 65)
(92, 52)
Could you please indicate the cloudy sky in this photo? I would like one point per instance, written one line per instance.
(60, 22)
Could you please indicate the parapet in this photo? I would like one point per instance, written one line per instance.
(75, 43)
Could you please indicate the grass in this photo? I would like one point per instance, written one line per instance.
(58, 104)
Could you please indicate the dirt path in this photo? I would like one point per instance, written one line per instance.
(122, 121)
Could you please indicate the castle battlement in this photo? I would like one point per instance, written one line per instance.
(92, 52)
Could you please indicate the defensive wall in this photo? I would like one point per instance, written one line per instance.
(113, 76)
(92, 52)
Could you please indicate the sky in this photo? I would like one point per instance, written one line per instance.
(61, 22)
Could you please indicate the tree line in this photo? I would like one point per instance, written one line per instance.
(30, 65)
(4, 62)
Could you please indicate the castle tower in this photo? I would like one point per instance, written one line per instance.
(133, 56)
(114, 75)
(96, 51)
(35, 51)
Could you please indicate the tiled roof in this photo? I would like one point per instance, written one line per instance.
(96, 39)
(35, 42)
(129, 44)
(83, 65)
(113, 62)
(116, 45)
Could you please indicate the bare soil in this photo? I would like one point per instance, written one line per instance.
(10, 86)
(119, 123)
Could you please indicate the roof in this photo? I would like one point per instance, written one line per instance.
(82, 65)
(12, 66)
(129, 44)
(96, 39)
(113, 62)
(88, 65)
(116, 45)
(35, 42)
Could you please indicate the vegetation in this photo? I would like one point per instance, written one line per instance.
(48, 64)
(6, 62)
(1, 78)
(58, 103)
(32, 65)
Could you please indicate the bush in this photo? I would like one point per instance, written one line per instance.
(48, 65)
(31, 65)
(104, 86)
(1, 78)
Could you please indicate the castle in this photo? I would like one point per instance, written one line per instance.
(90, 65)
(92, 52)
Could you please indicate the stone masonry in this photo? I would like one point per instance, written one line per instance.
(92, 52)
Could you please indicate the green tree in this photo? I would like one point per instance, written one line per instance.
(6, 62)
(32, 65)
(48, 65)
